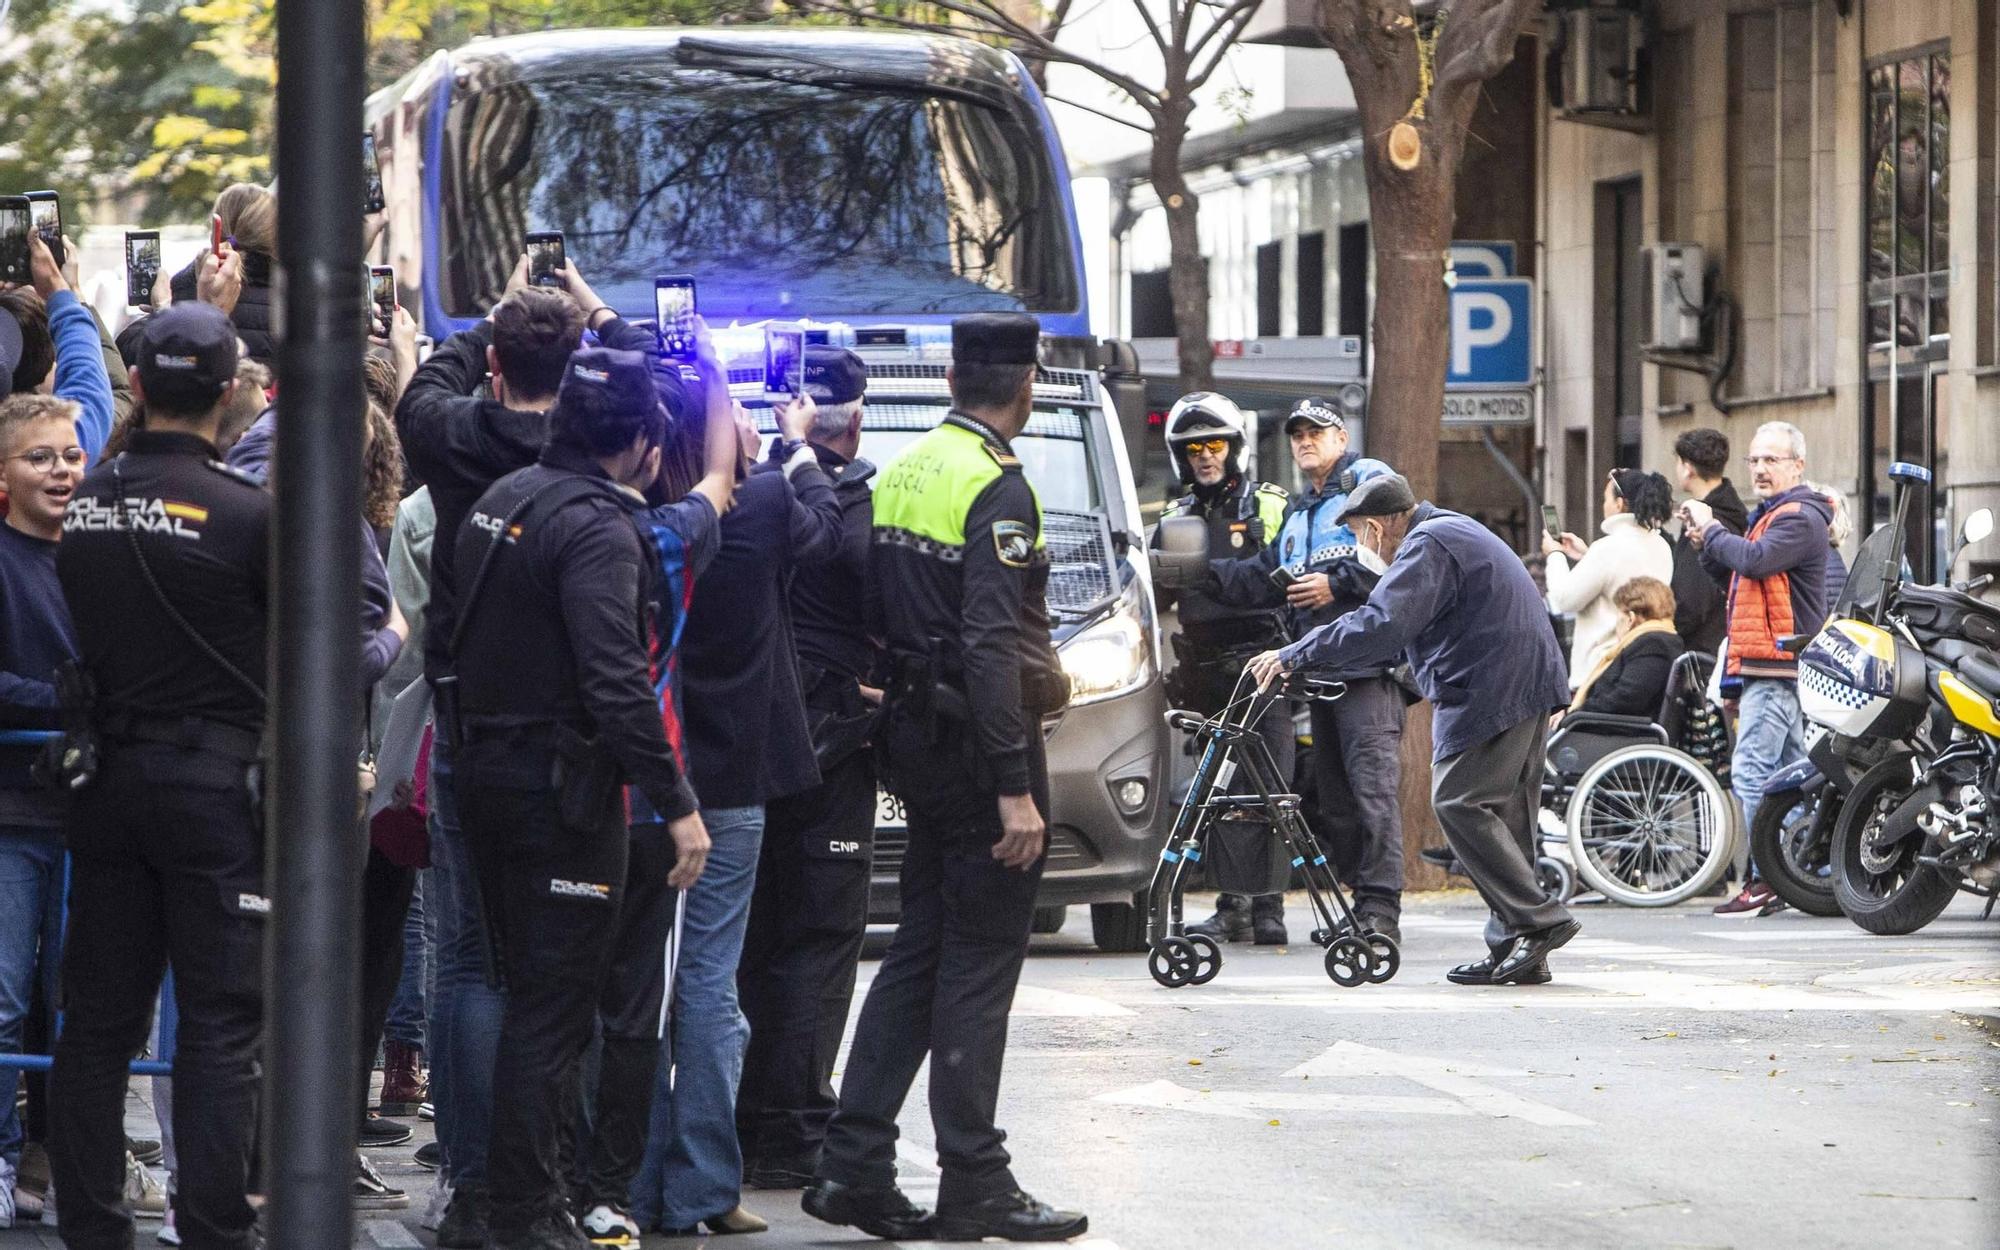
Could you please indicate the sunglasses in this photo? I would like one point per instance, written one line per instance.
(1213, 446)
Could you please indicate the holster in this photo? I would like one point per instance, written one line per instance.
(840, 720)
(69, 761)
(587, 781)
(444, 710)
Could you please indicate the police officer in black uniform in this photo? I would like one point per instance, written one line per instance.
(810, 909)
(164, 566)
(557, 714)
(958, 595)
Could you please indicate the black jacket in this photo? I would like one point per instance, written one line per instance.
(459, 442)
(746, 723)
(205, 532)
(558, 632)
(828, 597)
(252, 313)
(1701, 604)
(1636, 682)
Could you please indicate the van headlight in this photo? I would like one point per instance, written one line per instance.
(1114, 656)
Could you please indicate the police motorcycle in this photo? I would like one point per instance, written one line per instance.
(1904, 692)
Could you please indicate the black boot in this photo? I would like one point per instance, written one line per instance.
(1267, 920)
(1230, 923)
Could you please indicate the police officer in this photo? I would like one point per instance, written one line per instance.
(810, 909)
(958, 594)
(1205, 441)
(557, 714)
(1357, 740)
(164, 566)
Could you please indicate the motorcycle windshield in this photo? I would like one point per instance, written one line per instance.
(1864, 577)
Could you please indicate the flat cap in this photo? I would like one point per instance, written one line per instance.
(834, 375)
(1389, 495)
(996, 339)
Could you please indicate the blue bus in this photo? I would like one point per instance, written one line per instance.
(873, 185)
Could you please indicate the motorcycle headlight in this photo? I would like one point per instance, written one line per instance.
(1112, 657)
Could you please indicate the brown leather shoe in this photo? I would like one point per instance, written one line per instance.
(403, 1085)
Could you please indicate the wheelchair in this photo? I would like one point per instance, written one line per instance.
(1643, 805)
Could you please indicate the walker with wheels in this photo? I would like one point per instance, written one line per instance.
(1240, 822)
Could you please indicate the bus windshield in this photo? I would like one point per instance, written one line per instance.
(782, 197)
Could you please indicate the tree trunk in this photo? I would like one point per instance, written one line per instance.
(1187, 275)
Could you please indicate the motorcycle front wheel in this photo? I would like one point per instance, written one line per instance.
(1881, 886)
(1788, 843)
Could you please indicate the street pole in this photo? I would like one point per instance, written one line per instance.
(313, 847)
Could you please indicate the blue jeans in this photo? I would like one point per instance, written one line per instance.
(406, 1011)
(1770, 734)
(465, 1010)
(693, 1167)
(31, 865)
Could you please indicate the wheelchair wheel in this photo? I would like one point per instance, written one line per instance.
(1388, 958)
(1349, 961)
(1173, 962)
(1650, 826)
(1207, 959)
(1557, 879)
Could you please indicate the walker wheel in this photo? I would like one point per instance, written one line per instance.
(1348, 961)
(1388, 958)
(1173, 962)
(1322, 938)
(1208, 958)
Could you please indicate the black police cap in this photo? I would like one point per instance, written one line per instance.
(834, 375)
(1315, 411)
(996, 339)
(606, 398)
(187, 355)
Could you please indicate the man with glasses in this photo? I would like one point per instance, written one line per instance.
(1204, 437)
(41, 468)
(1777, 587)
(1357, 740)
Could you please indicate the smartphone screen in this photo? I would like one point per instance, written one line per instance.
(142, 265)
(15, 222)
(673, 308)
(371, 174)
(1550, 521)
(46, 210)
(545, 257)
(382, 293)
(784, 360)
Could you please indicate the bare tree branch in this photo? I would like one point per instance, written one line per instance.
(1475, 46)
(1236, 18)
(1229, 12)
(1141, 127)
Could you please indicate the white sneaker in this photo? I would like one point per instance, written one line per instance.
(168, 1234)
(146, 1194)
(607, 1225)
(435, 1209)
(6, 1194)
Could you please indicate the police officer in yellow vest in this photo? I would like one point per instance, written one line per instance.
(957, 591)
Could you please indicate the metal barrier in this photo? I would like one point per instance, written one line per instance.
(42, 1063)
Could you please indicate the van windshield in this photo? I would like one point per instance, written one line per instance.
(781, 197)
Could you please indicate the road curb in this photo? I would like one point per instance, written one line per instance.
(1987, 1020)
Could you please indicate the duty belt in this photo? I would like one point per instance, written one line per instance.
(192, 733)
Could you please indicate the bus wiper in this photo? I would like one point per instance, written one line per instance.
(792, 67)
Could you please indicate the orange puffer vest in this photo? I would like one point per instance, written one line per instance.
(1760, 613)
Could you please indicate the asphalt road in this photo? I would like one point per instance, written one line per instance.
(1686, 1081)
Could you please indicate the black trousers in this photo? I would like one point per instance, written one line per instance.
(167, 863)
(616, 1098)
(946, 984)
(555, 891)
(385, 903)
(796, 980)
(1358, 772)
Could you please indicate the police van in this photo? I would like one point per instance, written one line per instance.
(870, 186)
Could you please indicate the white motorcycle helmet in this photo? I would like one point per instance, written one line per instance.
(1199, 416)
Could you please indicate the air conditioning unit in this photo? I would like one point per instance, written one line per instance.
(1598, 71)
(1676, 287)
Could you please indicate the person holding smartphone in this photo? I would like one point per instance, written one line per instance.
(1357, 759)
(51, 344)
(1205, 439)
(246, 219)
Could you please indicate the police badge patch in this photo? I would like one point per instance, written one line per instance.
(1014, 543)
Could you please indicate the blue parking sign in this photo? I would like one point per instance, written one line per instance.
(1492, 333)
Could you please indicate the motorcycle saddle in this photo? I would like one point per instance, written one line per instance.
(1982, 671)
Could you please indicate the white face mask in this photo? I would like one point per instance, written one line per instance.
(1368, 557)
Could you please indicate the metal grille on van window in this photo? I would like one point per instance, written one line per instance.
(1082, 569)
(890, 380)
(920, 417)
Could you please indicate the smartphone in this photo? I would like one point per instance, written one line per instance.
(382, 294)
(545, 257)
(673, 309)
(1284, 578)
(15, 221)
(784, 360)
(1550, 521)
(142, 266)
(215, 234)
(371, 172)
(46, 211)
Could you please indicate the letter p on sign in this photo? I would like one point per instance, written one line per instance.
(1491, 325)
(1478, 319)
